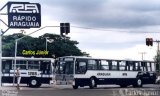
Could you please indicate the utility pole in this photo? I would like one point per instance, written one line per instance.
(149, 42)
(143, 54)
(158, 56)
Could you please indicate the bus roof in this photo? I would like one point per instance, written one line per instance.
(26, 58)
(85, 57)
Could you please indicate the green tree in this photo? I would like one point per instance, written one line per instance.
(8, 44)
(157, 60)
(60, 46)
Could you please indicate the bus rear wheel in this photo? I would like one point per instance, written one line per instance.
(34, 83)
(75, 87)
(92, 83)
(138, 83)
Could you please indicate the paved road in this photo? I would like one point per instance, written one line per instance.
(109, 90)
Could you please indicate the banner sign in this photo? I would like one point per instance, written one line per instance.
(24, 15)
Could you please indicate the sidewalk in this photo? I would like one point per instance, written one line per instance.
(43, 87)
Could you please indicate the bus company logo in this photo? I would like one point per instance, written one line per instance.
(103, 74)
(24, 8)
(24, 15)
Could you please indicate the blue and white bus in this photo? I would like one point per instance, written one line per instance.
(87, 71)
(33, 71)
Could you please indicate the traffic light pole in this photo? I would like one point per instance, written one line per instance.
(149, 42)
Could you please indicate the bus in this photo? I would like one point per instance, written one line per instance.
(87, 71)
(33, 71)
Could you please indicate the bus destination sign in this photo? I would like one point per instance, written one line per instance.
(24, 15)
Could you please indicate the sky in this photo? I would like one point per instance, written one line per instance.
(111, 29)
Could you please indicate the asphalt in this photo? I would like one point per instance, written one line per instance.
(67, 90)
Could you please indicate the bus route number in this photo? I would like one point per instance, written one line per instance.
(32, 73)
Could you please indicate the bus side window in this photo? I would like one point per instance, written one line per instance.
(104, 65)
(126, 66)
(153, 66)
(149, 66)
(122, 65)
(21, 64)
(61, 67)
(110, 64)
(81, 67)
(137, 68)
(6, 66)
(34, 65)
(134, 66)
(131, 66)
(114, 65)
(92, 65)
(143, 66)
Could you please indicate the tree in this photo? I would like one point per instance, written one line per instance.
(8, 44)
(60, 46)
(157, 60)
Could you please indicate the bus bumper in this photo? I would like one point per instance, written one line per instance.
(158, 80)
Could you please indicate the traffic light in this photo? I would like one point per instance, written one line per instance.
(64, 28)
(149, 41)
(67, 28)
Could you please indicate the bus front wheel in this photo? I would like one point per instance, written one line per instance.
(75, 86)
(92, 83)
(34, 83)
(138, 83)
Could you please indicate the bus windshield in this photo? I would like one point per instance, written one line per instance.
(65, 66)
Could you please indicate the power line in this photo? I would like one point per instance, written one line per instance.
(102, 29)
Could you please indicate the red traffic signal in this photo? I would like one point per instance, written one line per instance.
(149, 41)
(64, 28)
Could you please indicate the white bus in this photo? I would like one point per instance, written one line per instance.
(33, 71)
(87, 71)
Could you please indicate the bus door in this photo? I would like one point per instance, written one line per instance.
(145, 70)
(45, 67)
(64, 73)
(6, 67)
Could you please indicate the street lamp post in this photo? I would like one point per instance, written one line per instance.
(15, 54)
(46, 42)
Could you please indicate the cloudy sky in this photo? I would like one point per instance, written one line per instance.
(104, 28)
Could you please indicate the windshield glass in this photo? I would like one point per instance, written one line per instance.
(65, 66)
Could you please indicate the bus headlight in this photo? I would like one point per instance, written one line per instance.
(73, 82)
(53, 82)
